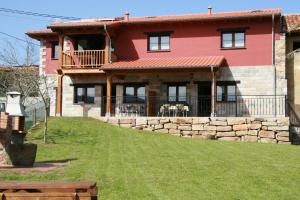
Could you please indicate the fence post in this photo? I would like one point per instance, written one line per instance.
(34, 116)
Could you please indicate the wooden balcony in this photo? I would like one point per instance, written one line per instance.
(83, 59)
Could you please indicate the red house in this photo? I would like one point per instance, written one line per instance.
(211, 64)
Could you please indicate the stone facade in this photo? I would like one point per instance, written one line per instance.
(249, 79)
(264, 130)
(293, 72)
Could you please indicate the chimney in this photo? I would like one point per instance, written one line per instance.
(209, 10)
(126, 16)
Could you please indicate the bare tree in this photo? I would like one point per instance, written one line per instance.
(25, 79)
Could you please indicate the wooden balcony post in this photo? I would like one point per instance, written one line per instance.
(59, 95)
(213, 92)
(60, 50)
(108, 94)
(107, 49)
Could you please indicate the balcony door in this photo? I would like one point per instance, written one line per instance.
(204, 98)
(90, 42)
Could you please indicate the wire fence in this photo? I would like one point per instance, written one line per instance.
(34, 115)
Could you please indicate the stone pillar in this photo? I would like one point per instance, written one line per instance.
(59, 95)
(119, 99)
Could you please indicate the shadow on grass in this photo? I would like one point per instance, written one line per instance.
(58, 161)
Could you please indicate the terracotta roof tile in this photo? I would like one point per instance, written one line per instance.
(292, 22)
(185, 17)
(166, 63)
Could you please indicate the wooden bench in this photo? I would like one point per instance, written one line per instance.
(54, 190)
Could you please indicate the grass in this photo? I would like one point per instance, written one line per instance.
(130, 164)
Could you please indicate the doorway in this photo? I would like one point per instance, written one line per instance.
(204, 99)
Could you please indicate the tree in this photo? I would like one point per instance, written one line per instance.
(24, 78)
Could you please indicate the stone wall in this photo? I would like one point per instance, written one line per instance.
(5, 131)
(265, 130)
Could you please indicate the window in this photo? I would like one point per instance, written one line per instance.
(233, 39)
(134, 94)
(158, 41)
(55, 49)
(177, 93)
(84, 94)
(296, 45)
(226, 92)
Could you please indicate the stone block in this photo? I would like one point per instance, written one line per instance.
(218, 123)
(210, 128)
(265, 128)
(197, 127)
(253, 132)
(269, 123)
(148, 129)
(125, 121)
(126, 125)
(208, 133)
(164, 120)
(241, 133)
(170, 126)
(266, 134)
(250, 138)
(242, 127)
(278, 128)
(224, 128)
(183, 120)
(283, 134)
(226, 134)
(162, 131)
(198, 137)
(174, 131)
(281, 142)
(186, 132)
(141, 121)
(229, 139)
(236, 121)
(285, 121)
(254, 126)
(153, 121)
(158, 126)
(284, 139)
(200, 120)
(185, 127)
(268, 140)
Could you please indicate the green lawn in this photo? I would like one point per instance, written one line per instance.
(130, 164)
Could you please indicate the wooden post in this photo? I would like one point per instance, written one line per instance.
(59, 95)
(108, 94)
(107, 49)
(60, 50)
(213, 93)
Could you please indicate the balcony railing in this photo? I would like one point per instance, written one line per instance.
(238, 106)
(83, 59)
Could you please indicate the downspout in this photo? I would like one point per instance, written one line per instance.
(107, 34)
(273, 62)
(213, 92)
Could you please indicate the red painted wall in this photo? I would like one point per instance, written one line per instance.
(201, 39)
(193, 39)
(50, 65)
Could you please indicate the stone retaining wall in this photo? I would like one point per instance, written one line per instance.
(265, 130)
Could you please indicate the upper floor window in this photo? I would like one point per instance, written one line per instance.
(84, 94)
(234, 39)
(159, 41)
(54, 47)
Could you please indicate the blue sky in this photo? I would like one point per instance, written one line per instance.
(17, 25)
